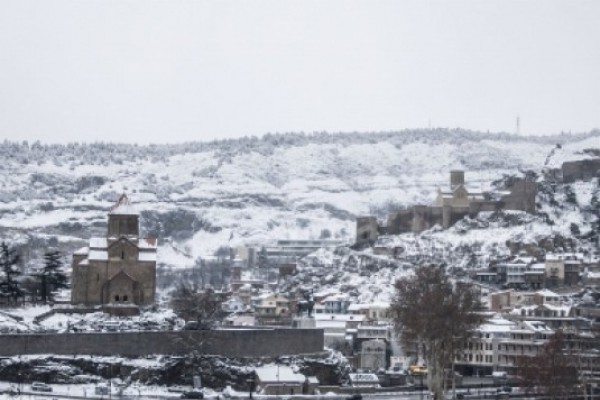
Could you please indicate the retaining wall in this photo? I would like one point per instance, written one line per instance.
(228, 343)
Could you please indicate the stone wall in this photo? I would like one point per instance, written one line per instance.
(580, 170)
(400, 222)
(366, 229)
(426, 217)
(521, 197)
(228, 343)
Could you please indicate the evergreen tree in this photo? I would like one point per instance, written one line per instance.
(52, 277)
(263, 263)
(9, 259)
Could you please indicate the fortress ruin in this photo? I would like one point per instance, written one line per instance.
(451, 205)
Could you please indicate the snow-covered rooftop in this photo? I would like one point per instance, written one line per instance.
(147, 256)
(98, 255)
(98, 243)
(273, 373)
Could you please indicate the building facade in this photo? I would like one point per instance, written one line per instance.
(119, 270)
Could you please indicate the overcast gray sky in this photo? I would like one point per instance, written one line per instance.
(171, 71)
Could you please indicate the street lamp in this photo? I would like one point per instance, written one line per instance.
(251, 382)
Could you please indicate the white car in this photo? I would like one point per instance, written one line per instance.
(40, 387)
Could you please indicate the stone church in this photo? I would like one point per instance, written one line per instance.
(118, 271)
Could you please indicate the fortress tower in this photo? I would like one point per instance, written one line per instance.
(457, 178)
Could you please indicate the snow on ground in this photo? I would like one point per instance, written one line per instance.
(24, 320)
(88, 391)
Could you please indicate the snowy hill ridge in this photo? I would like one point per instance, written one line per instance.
(197, 197)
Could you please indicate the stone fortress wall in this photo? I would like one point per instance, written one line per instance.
(450, 207)
(521, 197)
(241, 343)
(571, 171)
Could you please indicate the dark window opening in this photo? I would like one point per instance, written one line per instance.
(125, 298)
(122, 255)
(116, 297)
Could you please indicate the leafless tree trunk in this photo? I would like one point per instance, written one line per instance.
(430, 309)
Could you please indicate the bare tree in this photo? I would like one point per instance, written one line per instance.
(201, 307)
(552, 372)
(438, 316)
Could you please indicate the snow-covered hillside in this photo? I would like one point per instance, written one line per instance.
(200, 196)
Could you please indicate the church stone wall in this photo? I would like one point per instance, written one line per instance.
(123, 225)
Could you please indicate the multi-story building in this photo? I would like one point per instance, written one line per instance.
(480, 355)
(555, 270)
(335, 304)
(376, 311)
(526, 339)
(338, 329)
(554, 316)
(273, 309)
(373, 355)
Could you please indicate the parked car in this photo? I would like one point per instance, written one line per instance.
(194, 394)
(112, 326)
(417, 370)
(40, 387)
(356, 396)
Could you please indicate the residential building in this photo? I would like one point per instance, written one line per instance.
(526, 339)
(373, 355)
(480, 355)
(272, 309)
(376, 311)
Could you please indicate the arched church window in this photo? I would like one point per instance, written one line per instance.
(116, 297)
(125, 297)
(122, 255)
